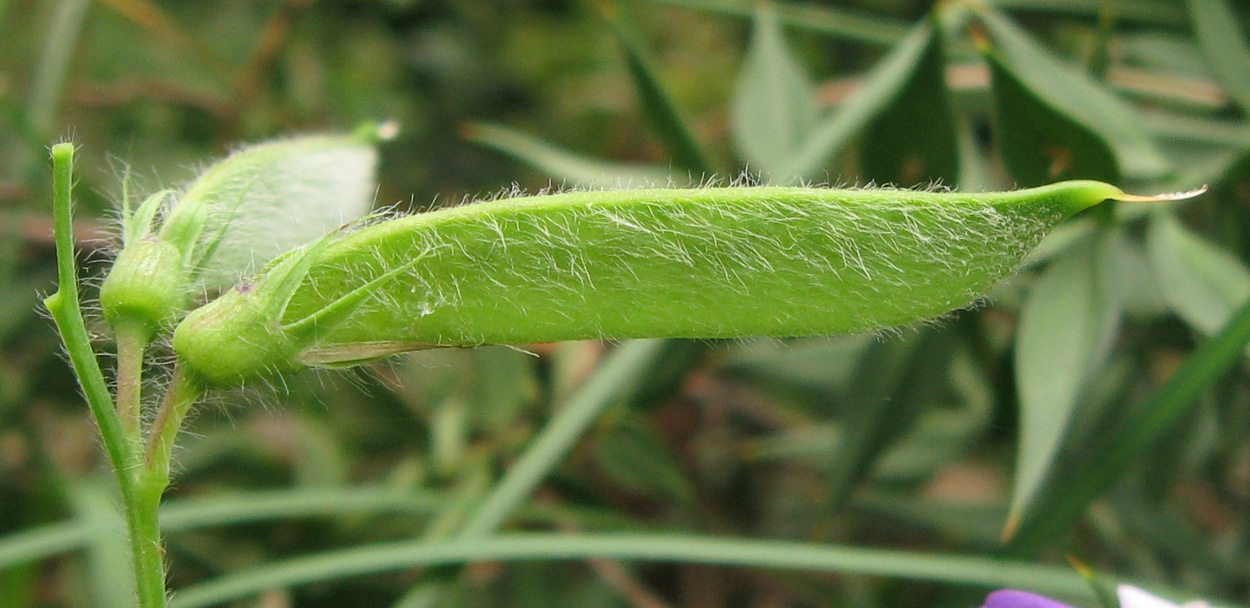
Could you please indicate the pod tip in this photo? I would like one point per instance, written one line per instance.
(1169, 196)
(378, 132)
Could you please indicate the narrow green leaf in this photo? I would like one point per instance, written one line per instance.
(824, 19)
(948, 425)
(502, 385)
(1155, 420)
(975, 174)
(37, 543)
(562, 164)
(632, 455)
(1216, 132)
(818, 366)
(1041, 142)
(666, 121)
(1152, 12)
(1132, 277)
(880, 415)
(108, 553)
(808, 444)
(774, 102)
(1064, 336)
(1201, 282)
(883, 84)
(1225, 46)
(48, 83)
(1164, 54)
(238, 508)
(1057, 581)
(1072, 92)
(612, 381)
(912, 142)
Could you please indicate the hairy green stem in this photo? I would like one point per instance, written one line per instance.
(132, 340)
(182, 393)
(143, 524)
(125, 457)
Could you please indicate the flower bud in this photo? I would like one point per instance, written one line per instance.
(147, 284)
(239, 214)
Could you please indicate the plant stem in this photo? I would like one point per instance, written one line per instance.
(180, 396)
(151, 480)
(143, 524)
(124, 455)
(132, 341)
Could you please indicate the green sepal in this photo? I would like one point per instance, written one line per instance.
(139, 224)
(251, 311)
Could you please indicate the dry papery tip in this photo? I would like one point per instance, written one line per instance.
(1158, 198)
(387, 130)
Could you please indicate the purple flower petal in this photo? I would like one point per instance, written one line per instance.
(1020, 599)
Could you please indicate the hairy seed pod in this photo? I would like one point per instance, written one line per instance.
(698, 263)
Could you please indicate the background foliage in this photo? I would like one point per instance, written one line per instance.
(1097, 407)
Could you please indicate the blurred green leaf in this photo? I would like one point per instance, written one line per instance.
(44, 102)
(108, 554)
(1131, 275)
(1201, 282)
(808, 444)
(819, 366)
(564, 165)
(886, 81)
(941, 435)
(1162, 53)
(1154, 421)
(666, 121)
(612, 382)
(774, 103)
(319, 460)
(752, 553)
(632, 455)
(880, 412)
(502, 385)
(825, 19)
(912, 142)
(1197, 129)
(1041, 143)
(1155, 12)
(1073, 93)
(1224, 44)
(1064, 336)
(974, 165)
(980, 524)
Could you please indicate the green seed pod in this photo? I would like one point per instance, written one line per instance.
(700, 263)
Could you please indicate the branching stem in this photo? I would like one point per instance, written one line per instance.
(182, 393)
(125, 456)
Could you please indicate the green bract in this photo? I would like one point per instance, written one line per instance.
(699, 263)
(235, 217)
